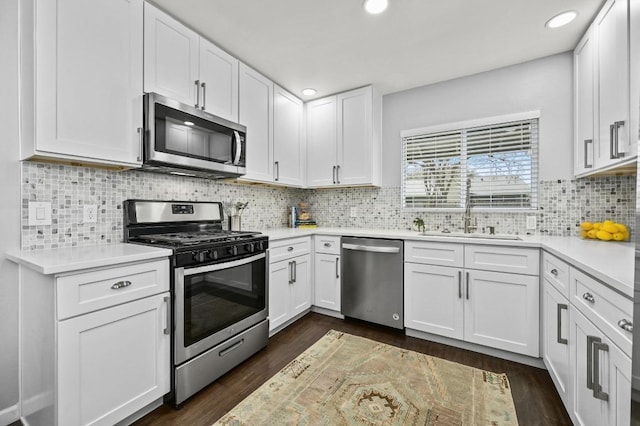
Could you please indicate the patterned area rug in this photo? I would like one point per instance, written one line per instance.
(348, 380)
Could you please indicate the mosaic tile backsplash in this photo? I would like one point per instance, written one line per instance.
(562, 204)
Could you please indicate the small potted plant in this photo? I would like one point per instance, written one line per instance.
(419, 223)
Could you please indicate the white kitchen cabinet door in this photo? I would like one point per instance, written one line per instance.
(279, 293)
(113, 362)
(256, 113)
(327, 281)
(616, 379)
(584, 85)
(612, 32)
(354, 149)
(502, 311)
(171, 57)
(87, 80)
(218, 81)
(288, 147)
(301, 285)
(434, 299)
(321, 142)
(555, 339)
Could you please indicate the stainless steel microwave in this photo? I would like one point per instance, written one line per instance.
(184, 140)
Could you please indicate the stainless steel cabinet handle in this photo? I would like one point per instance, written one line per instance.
(120, 284)
(374, 249)
(459, 284)
(140, 142)
(197, 82)
(334, 174)
(597, 387)
(590, 369)
(617, 126)
(554, 272)
(337, 267)
(167, 328)
(588, 297)
(338, 175)
(290, 272)
(295, 271)
(559, 338)
(467, 286)
(626, 325)
(204, 94)
(277, 164)
(612, 152)
(586, 151)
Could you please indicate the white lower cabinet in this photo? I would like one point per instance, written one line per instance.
(601, 376)
(490, 308)
(327, 281)
(555, 339)
(113, 361)
(289, 280)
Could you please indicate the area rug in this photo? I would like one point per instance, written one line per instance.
(349, 380)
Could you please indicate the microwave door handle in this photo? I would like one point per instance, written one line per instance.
(238, 147)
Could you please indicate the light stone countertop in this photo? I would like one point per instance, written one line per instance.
(66, 260)
(610, 262)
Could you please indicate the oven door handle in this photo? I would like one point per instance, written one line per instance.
(224, 265)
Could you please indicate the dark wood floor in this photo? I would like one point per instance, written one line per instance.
(534, 395)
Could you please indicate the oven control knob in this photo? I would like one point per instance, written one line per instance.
(250, 248)
(260, 245)
(200, 256)
(214, 254)
(233, 250)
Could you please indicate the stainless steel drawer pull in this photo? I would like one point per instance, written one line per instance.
(589, 297)
(337, 267)
(327, 244)
(467, 286)
(554, 272)
(290, 272)
(559, 338)
(290, 249)
(626, 325)
(591, 340)
(231, 348)
(121, 284)
(167, 328)
(597, 387)
(459, 284)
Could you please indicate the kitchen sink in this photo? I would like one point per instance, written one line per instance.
(472, 235)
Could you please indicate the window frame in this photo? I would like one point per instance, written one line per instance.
(466, 125)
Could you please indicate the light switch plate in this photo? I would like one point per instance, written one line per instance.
(39, 213)
(531, 223)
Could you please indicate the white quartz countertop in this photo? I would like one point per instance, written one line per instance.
(610, 262)
(65, 260)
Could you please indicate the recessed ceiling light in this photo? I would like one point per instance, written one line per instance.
(309, 91)
(561, 19)
(189, 123)
(375, 6)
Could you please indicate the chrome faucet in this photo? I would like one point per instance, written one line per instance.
(468, 227)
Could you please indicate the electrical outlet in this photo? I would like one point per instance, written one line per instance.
(353, 212)
(39, 213)
(90, 213)
(531, 223)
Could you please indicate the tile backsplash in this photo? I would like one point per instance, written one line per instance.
(562, 204)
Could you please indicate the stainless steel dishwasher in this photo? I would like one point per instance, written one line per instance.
(373, 280)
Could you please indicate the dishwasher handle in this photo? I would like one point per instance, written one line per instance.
(374, 249)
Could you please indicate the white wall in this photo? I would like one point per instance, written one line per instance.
(9, 210)
(545, 84)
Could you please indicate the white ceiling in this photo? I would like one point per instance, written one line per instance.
(333, 45)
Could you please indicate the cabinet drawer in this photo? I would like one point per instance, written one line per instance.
(504, 259)
(604, 307)
(89, 291)
(442, 254)
(327, 244)
(556, 272)
(286, 249)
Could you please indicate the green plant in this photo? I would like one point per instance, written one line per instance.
(419, 223)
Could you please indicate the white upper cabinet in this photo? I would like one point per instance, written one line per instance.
(288, 149)
(273, 116)
(604, 137)
(187, 68)
(343, 139)
(256, 113)
(81, 91)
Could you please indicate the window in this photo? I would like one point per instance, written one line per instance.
(492, 165)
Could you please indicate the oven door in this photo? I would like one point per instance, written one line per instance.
(215, 302)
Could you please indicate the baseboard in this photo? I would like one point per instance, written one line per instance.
(288, 323)
(509, 356)
(327, 312)
(141, 413)
(9, 415)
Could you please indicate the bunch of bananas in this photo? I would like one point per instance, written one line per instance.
(606, 231)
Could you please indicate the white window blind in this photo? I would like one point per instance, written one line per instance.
(499, 160)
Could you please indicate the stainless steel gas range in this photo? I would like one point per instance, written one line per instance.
(219, 288)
